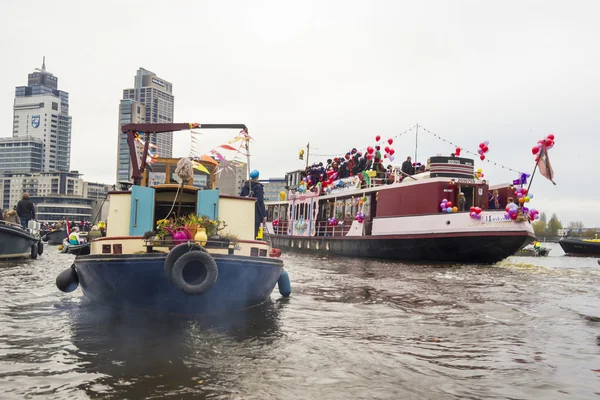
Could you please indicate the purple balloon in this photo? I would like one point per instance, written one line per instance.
(506, 216)
(444, 209)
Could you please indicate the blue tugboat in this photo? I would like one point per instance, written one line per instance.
(134, 267)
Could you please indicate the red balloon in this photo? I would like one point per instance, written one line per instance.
(482, 157)
(390, 141)
(370, 150)
(524, 191)
(378, 148)
(385, 156)
(369, 156)
(481, 145)
(449, 204)
(457, 153)
(472, 209)
(377, 138)
(477, 210)
(485, 149)
(513, 216)
(387, 149)
(550, 136)
(535, 150)
(457, 150)
(548, 142)
(392, 151)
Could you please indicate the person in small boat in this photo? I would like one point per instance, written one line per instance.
(407, 166)
(94, 233)
(253, 188)
(25, 210)
(510, 200)
(73, 237)
(12, 216)
(462, 202)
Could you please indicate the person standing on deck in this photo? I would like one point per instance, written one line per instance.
(25, 210)
(253, 188)
(407, 167)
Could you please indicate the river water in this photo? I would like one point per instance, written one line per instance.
(526, 328)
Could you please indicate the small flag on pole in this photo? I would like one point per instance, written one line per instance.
(544, 165)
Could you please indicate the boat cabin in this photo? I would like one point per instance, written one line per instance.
(350, 206)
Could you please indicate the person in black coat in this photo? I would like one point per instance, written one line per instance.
(25, 210)
(407, 166)
(253, 188)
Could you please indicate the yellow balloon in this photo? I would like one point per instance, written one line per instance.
(454, 209)
(282, 195)
(527, 199)
(60, 247)
(479, 170)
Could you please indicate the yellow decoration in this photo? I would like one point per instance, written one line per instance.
(282, 195)
(260, 233)
(522, 200)
(200, 167)
(454, 209)
(60, 247)
(527, 199)
(201, 236)
(479, 170)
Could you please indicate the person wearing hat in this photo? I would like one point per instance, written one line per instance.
(253, 188)
(462, 202)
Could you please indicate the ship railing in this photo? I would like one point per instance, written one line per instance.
(324, 229)
(170, 243)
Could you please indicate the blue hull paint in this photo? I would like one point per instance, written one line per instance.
(138, 281)
(15, 242)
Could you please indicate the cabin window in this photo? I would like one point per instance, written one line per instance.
(106, 249)
(117, 249)
(339, 209)
(366, 208)
(349, 208)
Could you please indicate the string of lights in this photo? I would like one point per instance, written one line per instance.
(362, 150)
(497, 164)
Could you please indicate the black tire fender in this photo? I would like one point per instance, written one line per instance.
(203, 275)
(34, 251)
(177, 252)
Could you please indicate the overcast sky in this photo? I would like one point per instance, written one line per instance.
(332, 73)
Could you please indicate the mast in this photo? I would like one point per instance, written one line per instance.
(307, 153)
(416, 141)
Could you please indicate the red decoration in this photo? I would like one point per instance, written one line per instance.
(377, 138)
(390, 141)
(482, 157)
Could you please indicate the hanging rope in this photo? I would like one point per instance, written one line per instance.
(497, 164)
(364, 149)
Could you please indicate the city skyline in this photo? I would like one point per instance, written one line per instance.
(336, 74)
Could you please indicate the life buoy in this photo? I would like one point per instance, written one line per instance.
(195, 272)
(177, 252)
(40, 248)
(34, 251)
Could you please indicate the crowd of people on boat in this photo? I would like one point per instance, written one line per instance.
(355, 164)
(20, 214)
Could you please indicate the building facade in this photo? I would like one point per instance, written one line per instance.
(230, 182)
(49, 185)
(156, 96)
(21, 154)
(130, 112)
(272, 187)
(41, 111)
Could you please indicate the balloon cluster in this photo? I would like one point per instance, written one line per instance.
(374, 152)
(302, 186)
(512, 211)
(483, 148)
(360, 217)
(479, 173)
(447, 207)
(333, 221)
(548, 142)
(457, 151)
(275, 222)
(523, 195)
(475, 212)
(532, 212)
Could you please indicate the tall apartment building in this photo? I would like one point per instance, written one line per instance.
(152, 99)
(21, 154)
(41, 111)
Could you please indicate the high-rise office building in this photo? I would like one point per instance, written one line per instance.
(20, 154)
(150, 100)
(41, 111)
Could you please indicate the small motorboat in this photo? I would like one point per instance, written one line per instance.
(55, 237)
(80, 249)
(17, 242)
(531, 251)
(581, 247)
